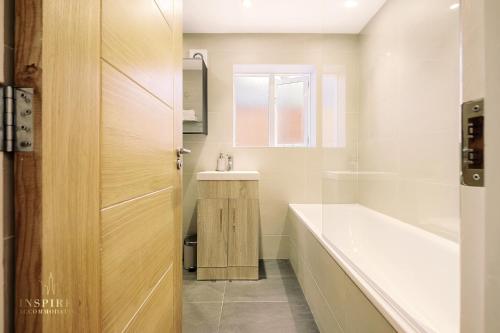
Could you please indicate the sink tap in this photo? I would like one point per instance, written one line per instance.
(229, 162)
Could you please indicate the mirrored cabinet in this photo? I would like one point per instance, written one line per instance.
(195, 119)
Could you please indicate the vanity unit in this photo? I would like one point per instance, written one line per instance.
(228, 225)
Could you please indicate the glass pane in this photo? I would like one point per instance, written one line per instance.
(334, 112)
(291, 112)
(193, 96)
(251, 111)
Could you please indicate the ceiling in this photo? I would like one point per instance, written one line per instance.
(277, 16)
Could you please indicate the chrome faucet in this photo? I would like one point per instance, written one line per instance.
(229, 162)
(224, 162)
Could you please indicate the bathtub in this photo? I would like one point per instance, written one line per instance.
(411, 276)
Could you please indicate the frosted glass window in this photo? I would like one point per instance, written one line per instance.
(291, 106)
(252, 111)
(271, 110)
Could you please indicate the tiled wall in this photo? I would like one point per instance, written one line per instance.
(287, 174)
(409, 116)
(6, 186)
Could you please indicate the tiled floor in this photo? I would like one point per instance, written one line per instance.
(275, 303)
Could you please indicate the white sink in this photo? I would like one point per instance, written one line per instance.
(228, 175)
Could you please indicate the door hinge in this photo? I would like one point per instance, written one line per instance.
(16, 123)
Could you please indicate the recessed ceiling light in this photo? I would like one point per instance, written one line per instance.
(455, 6)
(247, 3)
(351, 3)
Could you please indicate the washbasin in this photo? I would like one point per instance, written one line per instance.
(228, 175)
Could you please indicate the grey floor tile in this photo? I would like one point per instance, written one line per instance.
(201, 317)
(275, 303)
(203, 291)
(275, 268)
(285, 289)
(189, 275)
(257, 317)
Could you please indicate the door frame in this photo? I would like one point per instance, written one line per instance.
(492, 166)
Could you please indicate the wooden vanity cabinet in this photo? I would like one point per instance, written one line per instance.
(228, 229)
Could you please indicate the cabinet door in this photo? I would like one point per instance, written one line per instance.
(212, 232)
(243, 232)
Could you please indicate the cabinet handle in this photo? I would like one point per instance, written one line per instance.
(220, 219)
(234, 219)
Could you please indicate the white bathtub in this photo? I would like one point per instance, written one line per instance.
(410, 275)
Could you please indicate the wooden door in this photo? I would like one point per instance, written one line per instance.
(98, 201)
(212, 232)
(243, 232)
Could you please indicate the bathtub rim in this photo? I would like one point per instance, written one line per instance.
(401, 320)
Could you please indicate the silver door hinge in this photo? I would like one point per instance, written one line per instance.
(16, 123)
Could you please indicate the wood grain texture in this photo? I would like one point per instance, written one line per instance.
(70, 162)
(244, 219)
(142, 126)
(27, 166)
(178, 126)
(243, 189)
(228, 228)
(58, 185)
(28, 237)
(167, 9)
(211, 273)
(227, 273)
(229, 189)
(213, 189)
(212, 233)
(243, 273)
(157, 313)
(137, 143)
(57, 193)
(138, 41)
(137, 250)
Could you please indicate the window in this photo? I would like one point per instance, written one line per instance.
(272, 106)
(334, 108)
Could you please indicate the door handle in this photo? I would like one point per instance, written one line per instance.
(183, 151)
(220, 219)
(234, 219)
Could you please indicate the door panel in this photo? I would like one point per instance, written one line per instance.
(137, 142)
(212, 232)
(140, 184)
(137, 250)
(243, 232)
(137, 40)
(99, 199)
(167, 8)
(157, 314)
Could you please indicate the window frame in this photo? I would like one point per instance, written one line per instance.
(271, 71)
(307, 117)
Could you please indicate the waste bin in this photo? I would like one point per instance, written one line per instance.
(190, 243)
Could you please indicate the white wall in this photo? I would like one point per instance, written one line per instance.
(409, 115)
(287, 174)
